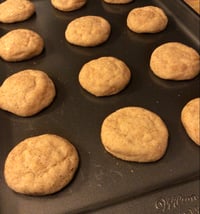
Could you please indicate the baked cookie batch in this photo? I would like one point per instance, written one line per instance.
(48, 161)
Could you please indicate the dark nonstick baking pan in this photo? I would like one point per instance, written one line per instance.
(104, 184)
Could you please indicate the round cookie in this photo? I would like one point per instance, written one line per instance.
(148, 19)
(27, 92)
(134, 134)
(175, 61)
(104, 76)
(88, 31)
(20, 44)
(12, 11)
(68, 5)
(41, 165)
(118, 1)
(190, 118)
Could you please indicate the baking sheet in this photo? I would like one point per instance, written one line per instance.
(102, 180)
(181, 198)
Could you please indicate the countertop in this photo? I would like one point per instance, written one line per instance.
(195, 4)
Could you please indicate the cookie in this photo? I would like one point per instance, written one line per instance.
(134, 134)
(148, 19)
(104, 76)
(175, 61)
(118, 1)
(27, 92)
(12, 11)
(68, 5)
(41, 165)
(88, 31)
(20, 44)
(190, 118)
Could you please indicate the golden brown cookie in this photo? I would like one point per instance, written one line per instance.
(88, 31)
(118, 1)
(104, 76)
(20, 44)
(12, 11)
(175, 61)
(41, 165)
(134, 134)
(27, 92)
(148, 19)
(190, 118)
(68, 5)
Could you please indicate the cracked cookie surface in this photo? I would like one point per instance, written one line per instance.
(148, 19)
(20, 44)
(12, 11)
(175, 61)
(27, 92)
(190, 118)
(68, 5)
(134, 134)
(41, 165)
(88, 31)
(104, 76)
